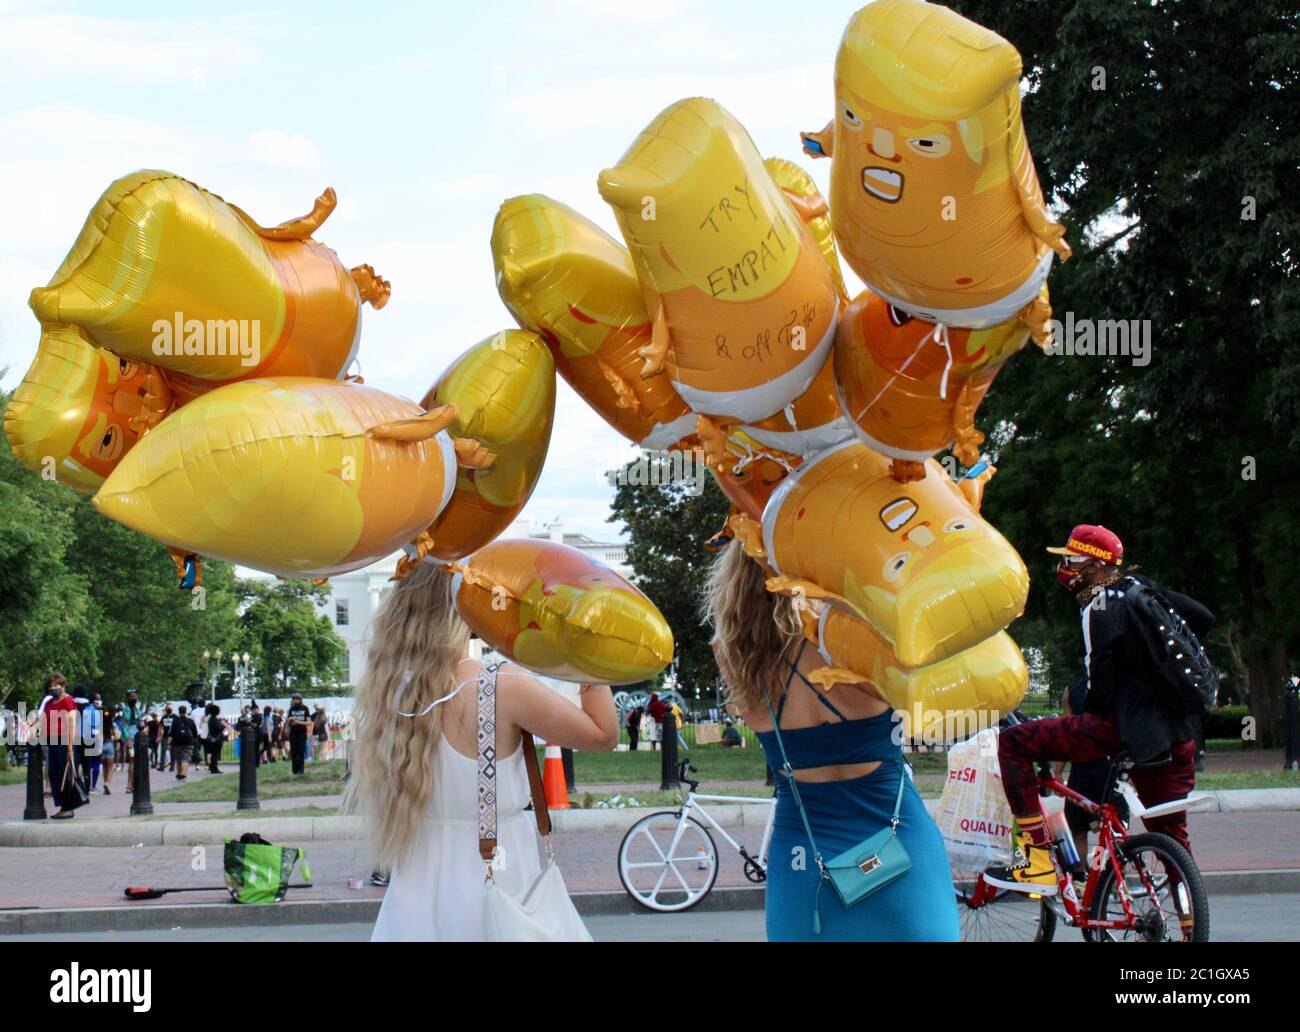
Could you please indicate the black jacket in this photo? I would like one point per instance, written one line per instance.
(1117, 665)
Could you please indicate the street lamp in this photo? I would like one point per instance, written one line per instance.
(241, 673)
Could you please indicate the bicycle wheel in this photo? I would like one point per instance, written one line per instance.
(1174, 908)
(660, 875)
(989, 914)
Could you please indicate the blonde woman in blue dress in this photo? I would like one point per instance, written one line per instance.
(847, 758)
(415, 765)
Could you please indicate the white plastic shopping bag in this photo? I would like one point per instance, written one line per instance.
(973, 813)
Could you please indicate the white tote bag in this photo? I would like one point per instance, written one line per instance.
(544, 913)
(974, 816)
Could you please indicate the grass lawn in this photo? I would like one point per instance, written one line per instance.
(13, 775)
(274, 780)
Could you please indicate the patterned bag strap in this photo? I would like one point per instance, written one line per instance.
(487, 768)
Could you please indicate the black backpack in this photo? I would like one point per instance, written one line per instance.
(1179, 667)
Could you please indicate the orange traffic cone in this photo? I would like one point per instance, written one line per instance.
(553, 784)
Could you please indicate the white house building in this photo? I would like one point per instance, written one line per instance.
(354, 598)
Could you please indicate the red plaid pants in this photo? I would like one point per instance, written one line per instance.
(1090, 737)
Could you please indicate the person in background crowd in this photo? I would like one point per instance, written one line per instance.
(183, 734)
(80, 693)
(679, 719)
(731, 734)
(634, 727)
(266, 735)
(168, 747)
(1121, 710)
(298, 722)
(153, 730)
(92, 731)
(215, 737)
(132, 714)
(60, 734)
(112, 743)
(656, 710)
(320, 731)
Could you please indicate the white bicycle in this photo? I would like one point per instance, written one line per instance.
(668, 860)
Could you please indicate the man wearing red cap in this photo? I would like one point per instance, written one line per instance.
(1122, 710)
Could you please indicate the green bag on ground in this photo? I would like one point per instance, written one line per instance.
(257, 871)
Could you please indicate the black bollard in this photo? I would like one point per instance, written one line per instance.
(141, 801)
(566, 757)
(248, 768)
(1292, 758)
(668, 750)
(35, 810)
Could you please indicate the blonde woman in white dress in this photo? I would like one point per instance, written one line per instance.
(415, 768)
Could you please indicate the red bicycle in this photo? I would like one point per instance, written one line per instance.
(1140, 888)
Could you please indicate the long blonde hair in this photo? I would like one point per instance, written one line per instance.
(755, 630)
(418, 639)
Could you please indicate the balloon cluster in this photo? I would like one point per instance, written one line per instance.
(193, 372)
(724, 327)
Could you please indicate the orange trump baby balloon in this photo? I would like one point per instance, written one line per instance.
(79, 409)
(300, 477)
(564, 278)
(955, 697)
(503, 389)
(558, 612)
(934, 197)
(914, 560)
(910, 387)
(741, 301)
(166, 273)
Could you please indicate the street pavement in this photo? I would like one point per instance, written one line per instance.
(1267, 917)
(90, 876)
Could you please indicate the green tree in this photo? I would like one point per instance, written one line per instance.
(667, 526)
(1164, 133)
(291, 645)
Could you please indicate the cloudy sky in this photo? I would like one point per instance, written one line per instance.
(423, 116)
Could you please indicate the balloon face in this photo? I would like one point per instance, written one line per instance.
(961, 694)
(750, 488)
(934, 197)
(76, 409)
(166, 273)
(504, 392)
(913, 560)
(289, 475)
(911, 388)
(740, 298)
(558, 612)
(565, 279)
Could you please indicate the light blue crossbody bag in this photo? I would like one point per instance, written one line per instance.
(862, 869)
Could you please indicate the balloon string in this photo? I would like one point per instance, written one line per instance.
(940, 335)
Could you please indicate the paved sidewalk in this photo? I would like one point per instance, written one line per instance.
(76, 876)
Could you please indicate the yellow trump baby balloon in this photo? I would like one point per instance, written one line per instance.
(558, 612)
(934, 197)
(296, 476)
(741, 300)
(503, 390)
(165, 273)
